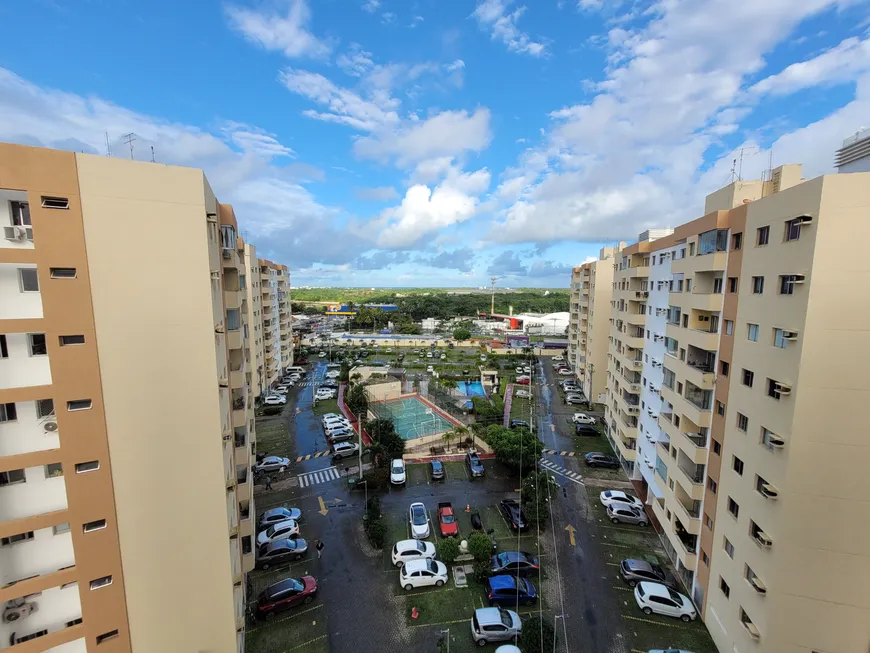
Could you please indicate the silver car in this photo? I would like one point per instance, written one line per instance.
(272, 464)
(626, 515)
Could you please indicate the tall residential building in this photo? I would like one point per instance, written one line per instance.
(588, 328)
(126, 416)
(746, 397)
(256, 341)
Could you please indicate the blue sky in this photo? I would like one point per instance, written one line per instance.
(439, 142)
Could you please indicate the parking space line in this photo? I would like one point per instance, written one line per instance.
(310, 641)
(612, 564)
(440, 623)
(287, 618)
(655, 623)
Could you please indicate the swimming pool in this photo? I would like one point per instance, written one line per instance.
(412, 417)
(473, 389)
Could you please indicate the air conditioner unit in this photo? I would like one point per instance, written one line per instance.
(227, 438)
(763, 539)
(223, 382)
(751, 629)
(211, 217)
(15, 233)
(18, 609)
(219, 328)
(783, 388)
(655, 391)
(804, 219)
(658, 337)
(50, 427)
(653, 415)
(790, 335)
(775, 441)
(759, 587)
(228, 253)
(769, 491)
(648, 462)
(797, 278)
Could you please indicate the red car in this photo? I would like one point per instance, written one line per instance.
(284, 594)
(523, 380)
(302, 363)
(447, 520)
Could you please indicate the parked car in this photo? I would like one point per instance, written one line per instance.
(564, 371)
(343, 435)
(443, 356)
(506, 590)
(285, 594)
(275, 400)
(575, 399)
(418, 518)
(597, 459)
(344, 449)
(329, 416)
(619, 498)
(280, 531)
(275, 515)
(582, 418)
(334, 374)
(283, 388)
(271, 464)
(447, 520)
(408, 550)
(423, 573)
(626, 515)
(659, 650)
(397, 472)
(519, 370)
(558, 357)
(519, 423)
(475, 467)
(430, 369)
(522, 393)
(523, 380)
(586, 429)
(322, 354)
(513, 513)
(428, 354)
(655, 597)
(322, 394)
(495, 625)
(639, 571)
(436, 470)
(483, 358)
(514, 562)
(279, 552)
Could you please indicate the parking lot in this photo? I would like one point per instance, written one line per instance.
(360, 605)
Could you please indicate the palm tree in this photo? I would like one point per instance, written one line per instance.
(461, 432)
(356, 376)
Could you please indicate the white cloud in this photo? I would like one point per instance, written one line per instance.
(356, 61)
(371, 6)
(424, 210)
(491, 16)
(252, 139)
(416, 20)
(285, 32)
(839, 64)
(459, 64)
(377, 194)
(445, 134)
(388, 18)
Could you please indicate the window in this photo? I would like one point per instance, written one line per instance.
(793, 229)
(27, 638)
(112, 634)
(20, 212)
(63, 273)
(668, 378)
(704, 558)
(723, 368)
(732, 284)
(12, 477)
(717, 448)
(54, 202)
(748, 378)
(4, 349)
(708, 521)
(762, 235)
(28, 279)
(724, 587)
(715, 240)
(733, 507)
(246, 544)
(101, 582)
(36, 342)
(691, 249)
(737, 465)
(78, 404)
(61, 528)
(71, 340)
(757, 285)
(53, 470)
(717, 285)
(712, 485)
(92, 526)
(720, 408)
(90, 466)
(729, 548)
(15, 539)
(44, 408)
(742, 422)
(8, 413)
(773, 389)
(736, 241)
(768, 438)
(752, 332)
(779, 338)
(729, 327)
(74, 622)
(679, 387)
(787, 282)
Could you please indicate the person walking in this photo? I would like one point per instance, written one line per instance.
(268, 483)
(319, 548)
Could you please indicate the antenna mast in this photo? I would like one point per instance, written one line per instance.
(492, 303)
(129, 138)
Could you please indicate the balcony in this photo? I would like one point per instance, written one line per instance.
(690, 477)
(243, 480)
(234, 339)
(45, 559)
(693, 445)
(641, 271)
(237, 376)
(233, 298)
(687, 512)
(238, 407)
(700, 338)
(713, 262)
(638, 319)
(703, 375)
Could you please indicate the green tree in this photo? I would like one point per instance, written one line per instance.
(480, 546)
(516, 448)
(461, 334)
(356, 400)
(535, 493)
(447, 549)
(538, 635)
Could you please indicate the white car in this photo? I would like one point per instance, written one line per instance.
(443, 356)
(619, 498)
(527, 369)
(324, 394)
(558, 358)
(582, 418)
(418, 518)
(408, 550)
(483, 357)
(429, 368)
(658, 598)
(428, 354)
(334, 374)
(522, 393)
(337, 433)
(271, 464)
(565, 372)
(322, 354)
(423, 573)
(275, 400)
(519, 370)
(344, 449)
(293, 377)
(280, 531)
(284, 388)
(397, 472)
(336, 423)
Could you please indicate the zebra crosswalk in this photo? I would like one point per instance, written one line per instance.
(318, 477)
(562, 471)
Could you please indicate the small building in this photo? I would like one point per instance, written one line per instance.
(489, 379)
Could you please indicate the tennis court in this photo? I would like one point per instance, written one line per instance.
(411, 417)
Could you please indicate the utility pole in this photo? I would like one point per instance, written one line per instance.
(492, 302)
(128, 139)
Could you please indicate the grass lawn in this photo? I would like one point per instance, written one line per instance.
(455, 470)
(272, 435)
(417, 474)
(521, 408)
(302, 629)
(326, 406)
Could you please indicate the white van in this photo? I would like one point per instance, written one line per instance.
(294, 368)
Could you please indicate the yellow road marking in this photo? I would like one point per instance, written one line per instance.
(571, 530)
(323, 509)
(299, 459)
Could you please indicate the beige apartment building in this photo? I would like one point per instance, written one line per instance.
(126, 421)
(745, 379)
(588, 328)
(271, 346)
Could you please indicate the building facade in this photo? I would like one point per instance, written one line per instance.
(737, 350)
(126, 407)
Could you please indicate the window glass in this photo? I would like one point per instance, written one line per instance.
(29, 279)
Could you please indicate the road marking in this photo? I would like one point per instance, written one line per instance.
(655, 623)
(556, 469)
(287, 618)
(310, 641)
(571, 530)
(319, 476)
(323, 509)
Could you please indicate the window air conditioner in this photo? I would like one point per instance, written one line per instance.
(763, 539)
(227, 253)
(653, 415)
(211, 217)
(790, 335)
(18, 609)
(769, 491)
(804, 219)
(759, 587)
(14, 233)
(219, 328)
(223, 382)
(775, 441)
(50, 427)
(783, 388)
(798, 278)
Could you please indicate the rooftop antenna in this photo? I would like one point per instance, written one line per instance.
(108, 146)
(129, 138)
(492, 303)
(733, 174)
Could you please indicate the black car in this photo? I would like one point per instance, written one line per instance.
(436, 469)
(475, 467)
(279, 552)
(513, 513)
(597, 459)
(514, 562)
(519, 423)
(586, 429)
(640, 571)
(508, 590)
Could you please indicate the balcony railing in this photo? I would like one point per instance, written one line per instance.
(695, 475)
(697, 439)
(239, 403)
(700, 399)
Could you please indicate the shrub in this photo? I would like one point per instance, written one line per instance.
(447, 549)
(272, 410)
(481, 570)
(373, 507)
(376, 531)
(377, 478)
(461, 334)
(538, 635)
(480, 546)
